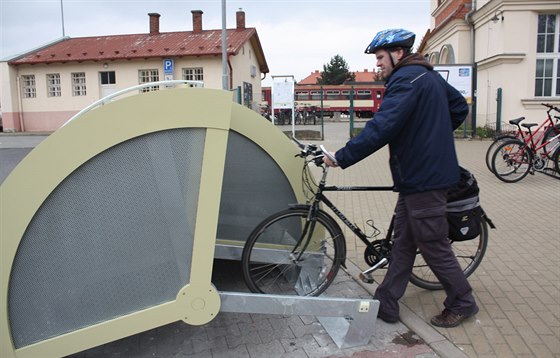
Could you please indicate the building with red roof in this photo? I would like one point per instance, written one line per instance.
(45, 87)
(360, 77)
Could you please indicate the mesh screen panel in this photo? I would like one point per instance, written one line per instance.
(253, 188)
(113, 238)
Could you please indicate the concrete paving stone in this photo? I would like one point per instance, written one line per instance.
(230, 330)
(447, 349)
(270, 349)
(254, 326)
(517, 344)
(493, 334)
(309, 319)
(551, 342)
(239, 351)
(459, 336)
(205, 354)
(481, 346)
(300, 331)
(200, 345)
(542, 351)
(550, 319)
(502, 350)
(229, 318)
(298, 342)
(539, 327)
(186, 346)
(268, 335)
(246, 337)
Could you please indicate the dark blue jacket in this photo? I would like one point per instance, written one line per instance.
(419, 112)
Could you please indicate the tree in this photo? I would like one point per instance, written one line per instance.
(335, 72)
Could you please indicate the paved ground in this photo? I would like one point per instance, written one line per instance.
(517, 285)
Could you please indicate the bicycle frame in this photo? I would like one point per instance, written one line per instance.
(537, 135)
(320, 197)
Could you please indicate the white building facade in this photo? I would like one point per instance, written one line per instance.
(515, 46)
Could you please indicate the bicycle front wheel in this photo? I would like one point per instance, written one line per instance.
(469, 254)
(288, 255)
(512, 161)
(492, 148)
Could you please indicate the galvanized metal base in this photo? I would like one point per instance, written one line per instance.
(350, 322)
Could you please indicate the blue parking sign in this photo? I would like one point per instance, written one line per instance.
(168, 66)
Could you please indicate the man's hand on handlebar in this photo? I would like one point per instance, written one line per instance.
(328, 162)
(328, 158)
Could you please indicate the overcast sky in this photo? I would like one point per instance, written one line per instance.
(297, 36)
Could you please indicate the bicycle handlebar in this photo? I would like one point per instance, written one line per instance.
(551, 107)
(328, 154)
(310, 150)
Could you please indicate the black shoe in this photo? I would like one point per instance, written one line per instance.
(448, 319)
(387, 317)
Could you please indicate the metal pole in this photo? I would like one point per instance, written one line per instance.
(225, 84)
(322, 117)
(62, 14)
(499, 111)
(351, 111)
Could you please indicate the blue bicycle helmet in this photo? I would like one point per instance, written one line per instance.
(391, 38)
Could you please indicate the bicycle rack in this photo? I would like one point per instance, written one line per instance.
(349, 322)
(128, 206)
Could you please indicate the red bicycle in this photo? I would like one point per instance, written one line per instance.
(514, 158)
(543, 133)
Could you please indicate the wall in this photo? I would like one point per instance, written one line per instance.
(242, 63)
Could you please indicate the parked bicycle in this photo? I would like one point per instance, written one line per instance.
(545, 131)
(513, 159)
(299, 251)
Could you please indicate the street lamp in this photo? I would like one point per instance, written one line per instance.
(498, 16)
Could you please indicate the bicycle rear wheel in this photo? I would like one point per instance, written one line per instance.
(273, 261)
(512, 161)
(469, 254)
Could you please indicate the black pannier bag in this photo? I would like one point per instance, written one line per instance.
(464, 213)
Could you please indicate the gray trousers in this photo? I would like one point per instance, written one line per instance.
(421, 223)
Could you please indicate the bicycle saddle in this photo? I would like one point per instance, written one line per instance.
(516, 120)
(529, 125)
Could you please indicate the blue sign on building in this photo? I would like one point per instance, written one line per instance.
(168, 66)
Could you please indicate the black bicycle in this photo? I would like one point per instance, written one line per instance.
(298, 251)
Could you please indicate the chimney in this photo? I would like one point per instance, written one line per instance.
(154, 23)
(197, 21)
(240, 17)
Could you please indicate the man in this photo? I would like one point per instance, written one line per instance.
(419, 112)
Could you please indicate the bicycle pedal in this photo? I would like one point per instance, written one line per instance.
(366, 278)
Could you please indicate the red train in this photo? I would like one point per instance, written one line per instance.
(336, 99)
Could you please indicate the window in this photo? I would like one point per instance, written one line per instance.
(363, 94)
(247, 94)
(345, 94)
(107, 78)
(146, 76)
(332, 94)
(78, 84)
(193, 74)
(302, 96)
(315, 95)
(28, 86)
(547, 75)
(53, 85)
